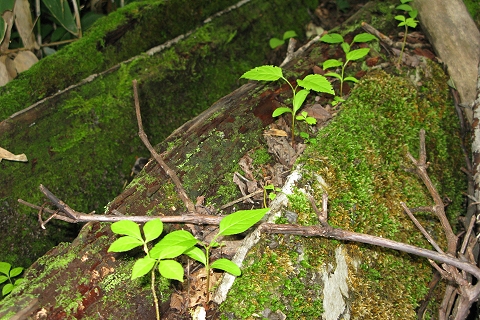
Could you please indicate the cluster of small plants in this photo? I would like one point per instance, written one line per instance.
(315, 82)
(320, 83)
(161, 256)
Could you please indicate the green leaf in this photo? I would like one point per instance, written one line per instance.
(173, 244)
(311, 120)
(3, 279)
(299, 99)
(18, 282)
(152, 229)
(332, 38)
(226, 265)
(128, 228)
(6, 5)
(240, 221)
(275, 42)
(405, 1)
(270, 186)
(404, 7)
(364, 37)
(171, 269)
(345, 47)
(124, 244)
(272, 196)
(5, 268)
(331, 63)
(142, 266)
(289, 34)
(411, 23)
(15, 272)
(61, 11)
(264, 73)
(353, 79)
(413, 14)
(7, 289)
(357, 54)
(316, 83)
(281, 110)
(196, 254)
(400, 18)
(333, 74)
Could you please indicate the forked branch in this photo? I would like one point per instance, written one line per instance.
(141, 133)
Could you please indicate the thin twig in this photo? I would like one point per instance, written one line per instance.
(67, 214)
(421, 228)
(178, 185)
(248, 196)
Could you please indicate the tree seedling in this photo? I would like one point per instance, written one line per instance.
(406, 22)
(161, 255)
(272, 193)
(176, 243)
(7, 274)
(275, 42)
(313, 82)
(350, 55)
(232, 224)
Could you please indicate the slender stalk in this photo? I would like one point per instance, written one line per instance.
(155, 299)
(293, 127)
(207, 269)
(403, 45)
(341, 79)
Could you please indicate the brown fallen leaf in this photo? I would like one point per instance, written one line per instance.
(7, 155)
(275, 132)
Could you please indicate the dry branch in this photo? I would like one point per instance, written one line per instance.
(178, 185)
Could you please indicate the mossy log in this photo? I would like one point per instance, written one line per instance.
(72, 113)
(359, 158)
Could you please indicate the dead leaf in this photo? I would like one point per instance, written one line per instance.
(275, 132)
(318, 112)
(24, 60)
(7, 155)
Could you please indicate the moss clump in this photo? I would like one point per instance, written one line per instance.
(362, 157)
(274, 279)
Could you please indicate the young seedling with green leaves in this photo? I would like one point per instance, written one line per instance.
(7, 274)
(275, 42)
(176, 243)
(272, 193)
(161, 255)
(232, 224)
(350, 55)
(313, 82)
(406, 22)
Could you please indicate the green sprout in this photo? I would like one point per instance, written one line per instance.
(272, 193)
(7, 274)
(350, 55)
(406, 22)
(313, 82)
(176, 243)
(232, 224)
(275, 42)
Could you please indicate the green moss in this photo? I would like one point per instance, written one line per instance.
(275, 279)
